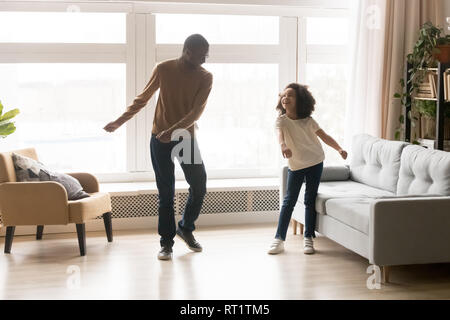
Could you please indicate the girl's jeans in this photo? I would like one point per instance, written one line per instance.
(311, 176)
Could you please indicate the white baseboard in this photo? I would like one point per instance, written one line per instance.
(151, 223)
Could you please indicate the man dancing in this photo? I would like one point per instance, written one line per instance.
(184, 89)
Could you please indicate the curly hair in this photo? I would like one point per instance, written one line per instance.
(304, 101)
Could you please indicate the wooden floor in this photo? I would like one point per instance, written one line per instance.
(233, 265)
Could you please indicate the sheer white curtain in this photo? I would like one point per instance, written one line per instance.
(363, 114)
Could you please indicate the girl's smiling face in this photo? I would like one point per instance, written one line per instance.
(289, 100)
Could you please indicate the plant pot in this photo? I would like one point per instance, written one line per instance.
(428, 128)
(443, 55)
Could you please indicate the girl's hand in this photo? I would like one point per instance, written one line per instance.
(285, 151)
(343, 154)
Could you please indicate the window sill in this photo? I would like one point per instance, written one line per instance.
(136, 188)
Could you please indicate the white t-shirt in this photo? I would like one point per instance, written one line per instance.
(300, 136)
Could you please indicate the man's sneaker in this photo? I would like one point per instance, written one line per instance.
(165, 253)
(308, 246)
(188, 237)
(276, 247)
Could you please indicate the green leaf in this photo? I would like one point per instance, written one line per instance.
(397, 135)
(1, 108)
(10, 114)
(402, 119)
(397, 95)
(416, 142)
(409, 114)
(7, 129)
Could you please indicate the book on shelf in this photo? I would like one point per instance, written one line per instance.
(432, 79)
(427, 88)
(447, 85)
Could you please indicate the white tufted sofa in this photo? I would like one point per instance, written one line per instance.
(391, 205)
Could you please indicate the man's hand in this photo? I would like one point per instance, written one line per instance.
(164, 136)
(111, 127)
(285, 151)
(343, 154)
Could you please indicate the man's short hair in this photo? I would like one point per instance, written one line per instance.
(195, 41)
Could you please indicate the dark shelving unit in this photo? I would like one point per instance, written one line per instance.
(440, 104)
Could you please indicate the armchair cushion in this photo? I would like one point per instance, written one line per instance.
(28, 169)
(89, 208)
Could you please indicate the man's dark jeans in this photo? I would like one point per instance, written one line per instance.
(311, 176)
(195, 175)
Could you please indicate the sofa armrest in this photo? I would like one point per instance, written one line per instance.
(88, 181)
(33, 203)
(409, 231)
(335, 173)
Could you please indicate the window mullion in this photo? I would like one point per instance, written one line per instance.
(150, 54)
(302, 50)
(131, 91)
(288, 49)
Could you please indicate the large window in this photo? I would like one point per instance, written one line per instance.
(62, 27)
(326, 73)
(63, 110)
(328, 85)
(218, 29)
(70, 73)
(327, 31)
(236, 132)
(66, 72)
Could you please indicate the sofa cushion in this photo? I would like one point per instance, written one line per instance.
(354, 212)
(424, 171)
(343, 189)
(376, 162)
(28, 169)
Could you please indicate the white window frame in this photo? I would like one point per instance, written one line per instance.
(141, 53)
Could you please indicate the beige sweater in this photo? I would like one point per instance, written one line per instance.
(182, 96)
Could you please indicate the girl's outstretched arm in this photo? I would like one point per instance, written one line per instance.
(331, 142)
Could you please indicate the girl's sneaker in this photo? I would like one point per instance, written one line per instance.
(276, 247)
(308, 246)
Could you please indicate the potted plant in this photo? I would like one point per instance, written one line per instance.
(429, 48)
(7, 127)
